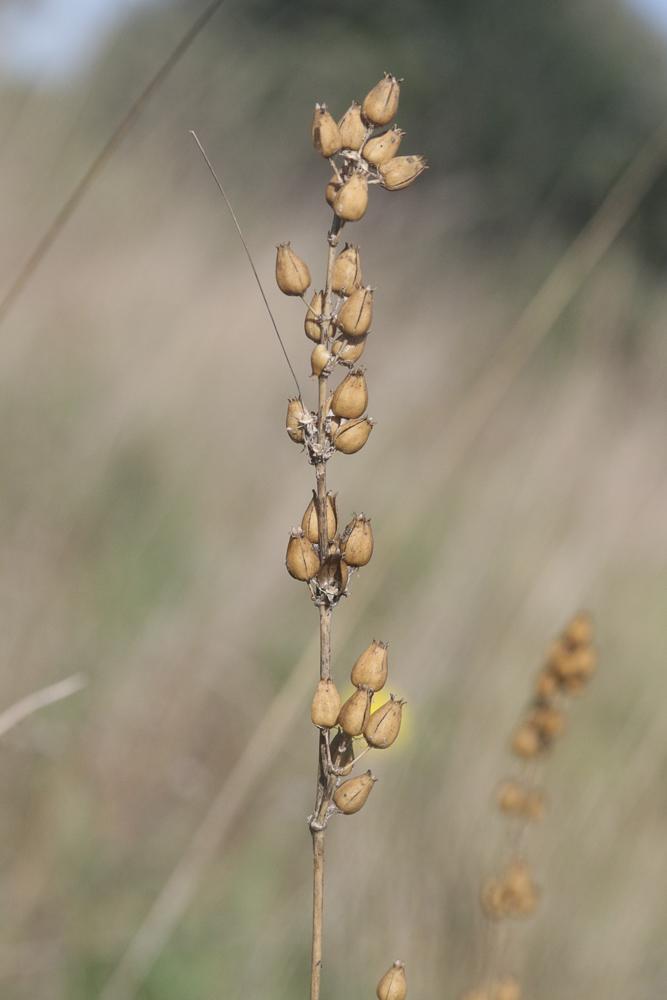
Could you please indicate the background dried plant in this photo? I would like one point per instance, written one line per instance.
(139, 539)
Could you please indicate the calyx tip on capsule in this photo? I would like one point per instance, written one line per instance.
(381, 102)
(292, 273)
(326, 134)
(351, 795)
(393, 985)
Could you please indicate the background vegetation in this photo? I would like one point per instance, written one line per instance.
(148, 488)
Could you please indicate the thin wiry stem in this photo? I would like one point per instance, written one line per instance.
(248, 254)
(70, 205)
(32, 703)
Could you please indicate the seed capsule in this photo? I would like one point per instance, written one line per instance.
(384, 724)
(351, 397)
(351, 200)
(357, 541)
(549, 722)
(356, 314)
(352, 794)
(332, 189)
(393, 985)
(346, 274)
(311, 324)
(342, 753)
(526, 741)
(546, 685)
(292, 273)
(383, 147)
(326, 705)
(400, 172)
(326, 134)
(348, 350)
(319, 359)
(310, 521)
(354, 714)
(296, 415)
(353, 435)
(372, 667)
(381, 103)
(333, 575)
(579, 631)
(301, 560)
(351, 127)
(511, 798)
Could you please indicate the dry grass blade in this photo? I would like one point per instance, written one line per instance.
(32, 703)
(480, 402)
(68, 208)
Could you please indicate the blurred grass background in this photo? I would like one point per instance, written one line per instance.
(148, 488)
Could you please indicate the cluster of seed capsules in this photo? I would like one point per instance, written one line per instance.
(513, 893)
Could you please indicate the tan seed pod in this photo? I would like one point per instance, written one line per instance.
(381, 103)
(351, 795)
(351, 200)
(301, 560)
(505, 989)
(573, 685)
(296, 414)
(355, 711)
(352, 128)
(384, 724)
(579, 631)
(310, 521)
(312, 325)
(349, 349)
(511, 798)
(548, 721)
(584, 661)
(326, 705)
(346, 273)
(342, 753)
(357, 542)
(332, 189)
(319, 359)
(546, 685)
(372, 667)
(353, 435)
(401, 171)
(383, 147)
(326, 134)
(393, 985)
(351, 397)
(292, 273)
(356, 313)
(526, 741)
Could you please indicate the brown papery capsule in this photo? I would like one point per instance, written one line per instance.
(400, 172)
(393, 985)
(296, 413)
(549, 722)
(351, 127)
(383, 147)
(351, 397)
(352, 794)
(332, 189)
(579, 631)
(346, 273)
(326, 134)
(526, 741)
(311, 324)
(372, 667)
(342, 753)
(384, 724)
(357, 541)
(310, 522)
(319, 359)
(349, 350)
(301, 560)
(292, 273)
(351, 199)
(353, 435)
(356, 313)
(381, 103)
(333, 575)
(354, 714)
(326, 705)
